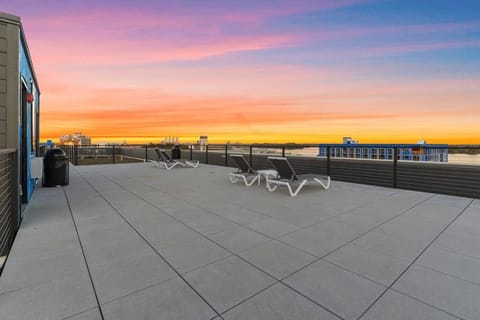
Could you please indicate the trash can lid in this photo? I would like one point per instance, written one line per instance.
(54, 153)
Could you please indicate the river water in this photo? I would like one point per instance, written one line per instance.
(461, 158)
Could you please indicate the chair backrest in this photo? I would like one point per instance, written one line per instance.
(165, 156)
(284, 168)
(159, 154)
(241, 163)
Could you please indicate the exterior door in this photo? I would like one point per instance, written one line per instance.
(23, 149)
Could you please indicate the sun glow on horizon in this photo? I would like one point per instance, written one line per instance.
(254, 72)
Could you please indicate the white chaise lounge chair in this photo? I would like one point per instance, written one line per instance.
(244, 171)
(164, 161)
(288, 178)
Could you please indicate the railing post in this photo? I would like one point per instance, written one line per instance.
(113, 154)
(328, 161)
(206, 154)
(75, 154)
(283, 151)
(226, 155)
(191, 152)
(395, 160)
(251, 156)
(146, 153)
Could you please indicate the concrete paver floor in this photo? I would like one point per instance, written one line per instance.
(130, 241)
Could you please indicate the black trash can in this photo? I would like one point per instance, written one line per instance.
(176, 153)
(55, 168)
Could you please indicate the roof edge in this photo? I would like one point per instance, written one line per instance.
(9, 18)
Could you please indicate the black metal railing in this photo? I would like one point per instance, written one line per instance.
(8, 201)
(91, 155)
(460, 176)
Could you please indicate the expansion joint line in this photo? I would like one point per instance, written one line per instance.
(84, 256)
(415, 260)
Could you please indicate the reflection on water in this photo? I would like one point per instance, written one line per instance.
(464, 158)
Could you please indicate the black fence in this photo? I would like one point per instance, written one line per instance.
(460, 176)
(8, 201)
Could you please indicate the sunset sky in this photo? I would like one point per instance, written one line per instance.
(256, 70)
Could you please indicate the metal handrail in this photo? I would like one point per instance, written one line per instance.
(390, 169)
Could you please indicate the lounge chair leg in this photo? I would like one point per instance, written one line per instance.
(293, 194)
(270, 187)
(325, 186)
(193, 165)
(249, 184)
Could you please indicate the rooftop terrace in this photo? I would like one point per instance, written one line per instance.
(130, 241)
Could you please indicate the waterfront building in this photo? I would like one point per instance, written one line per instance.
(76, 139)
(19, 104)
(412, 152)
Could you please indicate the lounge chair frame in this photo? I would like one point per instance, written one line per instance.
(168, 163)
(288, 178)
(244, 171)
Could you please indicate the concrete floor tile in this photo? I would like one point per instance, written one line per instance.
(396, 306)
(387, 244)
(457, 296)
(276, 258)
(273, 228)
(228, 282)
(163, 236)
(321, 239)
(459, 243)
(169, 300)
(411, 230)
(211, 223)
(236, 213)
(52, 300)
(371, 264)
(93, 314)
(191, 255)
(238, 239)
(340, 291)
(279, 303)
(457, 265)
(34, 269)
(126, 273)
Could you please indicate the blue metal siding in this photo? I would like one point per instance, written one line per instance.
(26, 73)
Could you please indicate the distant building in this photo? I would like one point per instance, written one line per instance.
(413, 152)
(171, 140)
(76, 139)
(349, 140)
(203, 142)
